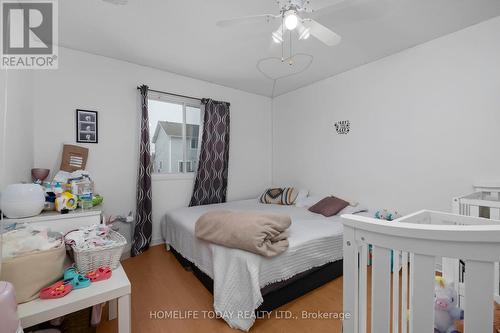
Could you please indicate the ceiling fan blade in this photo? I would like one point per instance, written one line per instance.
(322, 33)
(315, 5)
(246, 20)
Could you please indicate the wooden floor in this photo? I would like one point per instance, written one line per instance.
(159, 283)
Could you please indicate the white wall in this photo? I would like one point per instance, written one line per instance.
(16, 124)
(16, 99)
(425, 124)
(85, 81)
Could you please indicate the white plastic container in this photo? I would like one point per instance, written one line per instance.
(22, 200)
(8, 308)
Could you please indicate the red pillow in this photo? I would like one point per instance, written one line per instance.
(329, 206)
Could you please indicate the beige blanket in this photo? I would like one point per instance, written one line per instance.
(259, 233)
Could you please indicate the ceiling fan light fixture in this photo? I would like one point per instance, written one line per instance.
(291, 20)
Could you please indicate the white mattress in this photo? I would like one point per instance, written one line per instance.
(239, 275)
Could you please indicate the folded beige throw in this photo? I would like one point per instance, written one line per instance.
(259, 233)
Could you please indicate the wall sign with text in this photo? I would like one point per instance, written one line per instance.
(342, 126)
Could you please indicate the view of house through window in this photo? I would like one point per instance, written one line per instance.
(174, 127)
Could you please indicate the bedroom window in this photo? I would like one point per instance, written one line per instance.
(175, 133)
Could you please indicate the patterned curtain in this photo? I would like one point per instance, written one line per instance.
(143, 221)
(211, 179)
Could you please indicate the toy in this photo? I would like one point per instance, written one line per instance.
(446, 310)
(387, 215)
(97, 200)
(66, 201)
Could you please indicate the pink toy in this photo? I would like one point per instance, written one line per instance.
(8, 308)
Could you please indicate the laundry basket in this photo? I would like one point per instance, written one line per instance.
(88, 260)
(31, 272)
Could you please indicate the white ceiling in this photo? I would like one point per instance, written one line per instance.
(181, 36)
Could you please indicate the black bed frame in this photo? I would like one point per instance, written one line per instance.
(308, 281)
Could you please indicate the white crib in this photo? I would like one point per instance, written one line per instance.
(483, 202)
(416, 240)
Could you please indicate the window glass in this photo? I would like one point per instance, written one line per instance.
(193, 133)
(174, 127)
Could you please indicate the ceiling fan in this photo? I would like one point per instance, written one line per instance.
(294, 17)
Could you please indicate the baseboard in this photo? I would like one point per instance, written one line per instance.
(157, 241)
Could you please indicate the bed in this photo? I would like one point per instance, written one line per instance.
(242, 281)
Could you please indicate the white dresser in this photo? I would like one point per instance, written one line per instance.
(62, 222)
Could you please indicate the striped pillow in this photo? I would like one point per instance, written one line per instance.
(279, 196)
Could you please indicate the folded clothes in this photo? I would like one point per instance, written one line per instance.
(90, 237)
(29, 240)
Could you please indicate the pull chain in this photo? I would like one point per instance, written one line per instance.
(283, 38)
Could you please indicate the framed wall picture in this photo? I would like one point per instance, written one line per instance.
(86, 126)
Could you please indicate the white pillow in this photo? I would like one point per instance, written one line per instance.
(303, 194)
(353, 210)
(308, 201)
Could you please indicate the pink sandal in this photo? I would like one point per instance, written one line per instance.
(57, 290)
(102, 273)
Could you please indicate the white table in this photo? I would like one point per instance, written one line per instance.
(117, 288)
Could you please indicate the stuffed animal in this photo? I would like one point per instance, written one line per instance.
(446, 310)
(387, 215)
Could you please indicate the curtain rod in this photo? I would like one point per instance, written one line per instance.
(172, 94)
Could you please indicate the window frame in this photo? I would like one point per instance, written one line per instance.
(182, 165)
(185, 102)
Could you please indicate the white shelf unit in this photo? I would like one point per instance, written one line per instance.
(62, 222)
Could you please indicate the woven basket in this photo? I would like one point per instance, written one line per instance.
(88, 260)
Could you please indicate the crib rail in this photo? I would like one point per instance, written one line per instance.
(478, 204)
(403, 301)
(484, 202)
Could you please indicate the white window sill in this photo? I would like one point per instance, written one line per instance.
(172, 176)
